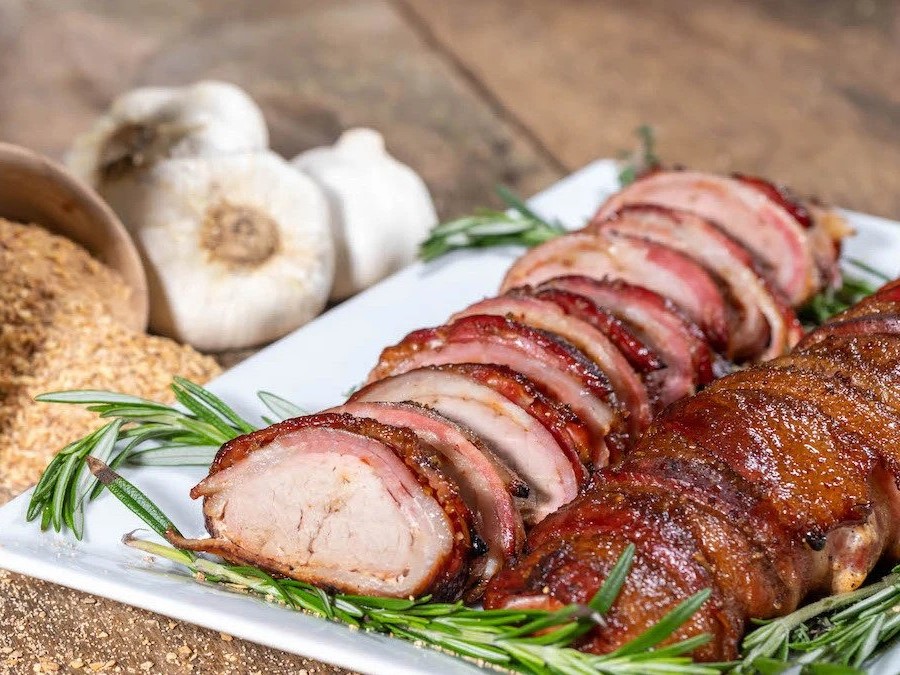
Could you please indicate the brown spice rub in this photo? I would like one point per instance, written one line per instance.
(59, 329)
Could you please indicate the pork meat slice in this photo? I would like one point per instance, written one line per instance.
(341, 502)
(825, 228)
(746, 213)
(485, 483)
(553, 364)
(522, 306)
(637, 261)
(566, 427)
(551, 473)
(687, 357)
(762, 323)
(639, 355)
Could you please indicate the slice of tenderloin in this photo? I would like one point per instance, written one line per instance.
(341, 502)
(553, 364)
(524, 307)
(824, 227)
(566, 427)
(485, 484)
(638, 354)
(682, 347)
(637, 261)
(743, 211)
(552, 473)
(762, 323)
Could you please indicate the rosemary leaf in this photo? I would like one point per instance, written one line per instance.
(520, 226)
(174, 455)
(215, 403)
(642, 158)
(612, 585)
(281, 407)
(665, 626)
(131, 497)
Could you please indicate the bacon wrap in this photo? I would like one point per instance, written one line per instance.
(772, 484)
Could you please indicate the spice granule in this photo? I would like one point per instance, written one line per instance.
(61, 327)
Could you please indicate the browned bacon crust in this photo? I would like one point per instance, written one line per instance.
(778, 481)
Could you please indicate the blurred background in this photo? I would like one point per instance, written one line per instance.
(469, 93)
(475, 92)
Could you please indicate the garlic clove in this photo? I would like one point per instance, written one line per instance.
(238, 248)
(381, 209)
(151, 124)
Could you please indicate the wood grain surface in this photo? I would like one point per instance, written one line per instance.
(471, 93)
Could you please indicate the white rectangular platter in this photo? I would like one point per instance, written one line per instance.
(314, 367)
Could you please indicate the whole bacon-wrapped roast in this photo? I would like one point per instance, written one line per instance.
(770, 484)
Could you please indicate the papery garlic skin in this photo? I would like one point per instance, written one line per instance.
(238, 248)
(153, 124)
(381, 209)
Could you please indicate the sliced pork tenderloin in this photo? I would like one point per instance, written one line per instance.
(552, 472)
(554, 365)
(825, 227)
(639, 355)
(487, 486)
(342, 502)
(747, 213)
(565, 426)
(762, 323)
(687, 357)
(524, 307)
(636, 261)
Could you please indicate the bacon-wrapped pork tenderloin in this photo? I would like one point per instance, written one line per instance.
(773, 483)
(492, 493)
(546, 461)
(636, 261)
(544, 314)
(762, 324)
(340, 501)
(559, 368)
(800, 256)
(687, 360)
(469, 432)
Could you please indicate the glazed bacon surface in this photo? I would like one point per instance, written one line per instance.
(469, 434)
(773, 483)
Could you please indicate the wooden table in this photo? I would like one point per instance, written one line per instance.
(471, 93)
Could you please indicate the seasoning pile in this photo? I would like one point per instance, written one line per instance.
(61, 327)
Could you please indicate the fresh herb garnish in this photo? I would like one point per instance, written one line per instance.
(520, 226)
(142, 432)
(530, 641)
(642, 159)
(833, 301)
(842, 630)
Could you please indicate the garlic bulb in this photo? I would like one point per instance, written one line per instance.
(238, 248)
(380, 209)
(151, 124)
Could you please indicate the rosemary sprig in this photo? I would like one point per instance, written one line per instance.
(141, 432)
(280, 407)
(520, 225)
(841, 630)
(529, 641)
(642, 158)
(833, 301)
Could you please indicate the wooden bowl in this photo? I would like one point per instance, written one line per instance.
(34, 189)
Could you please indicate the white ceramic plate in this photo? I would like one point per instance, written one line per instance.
(313, 367)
